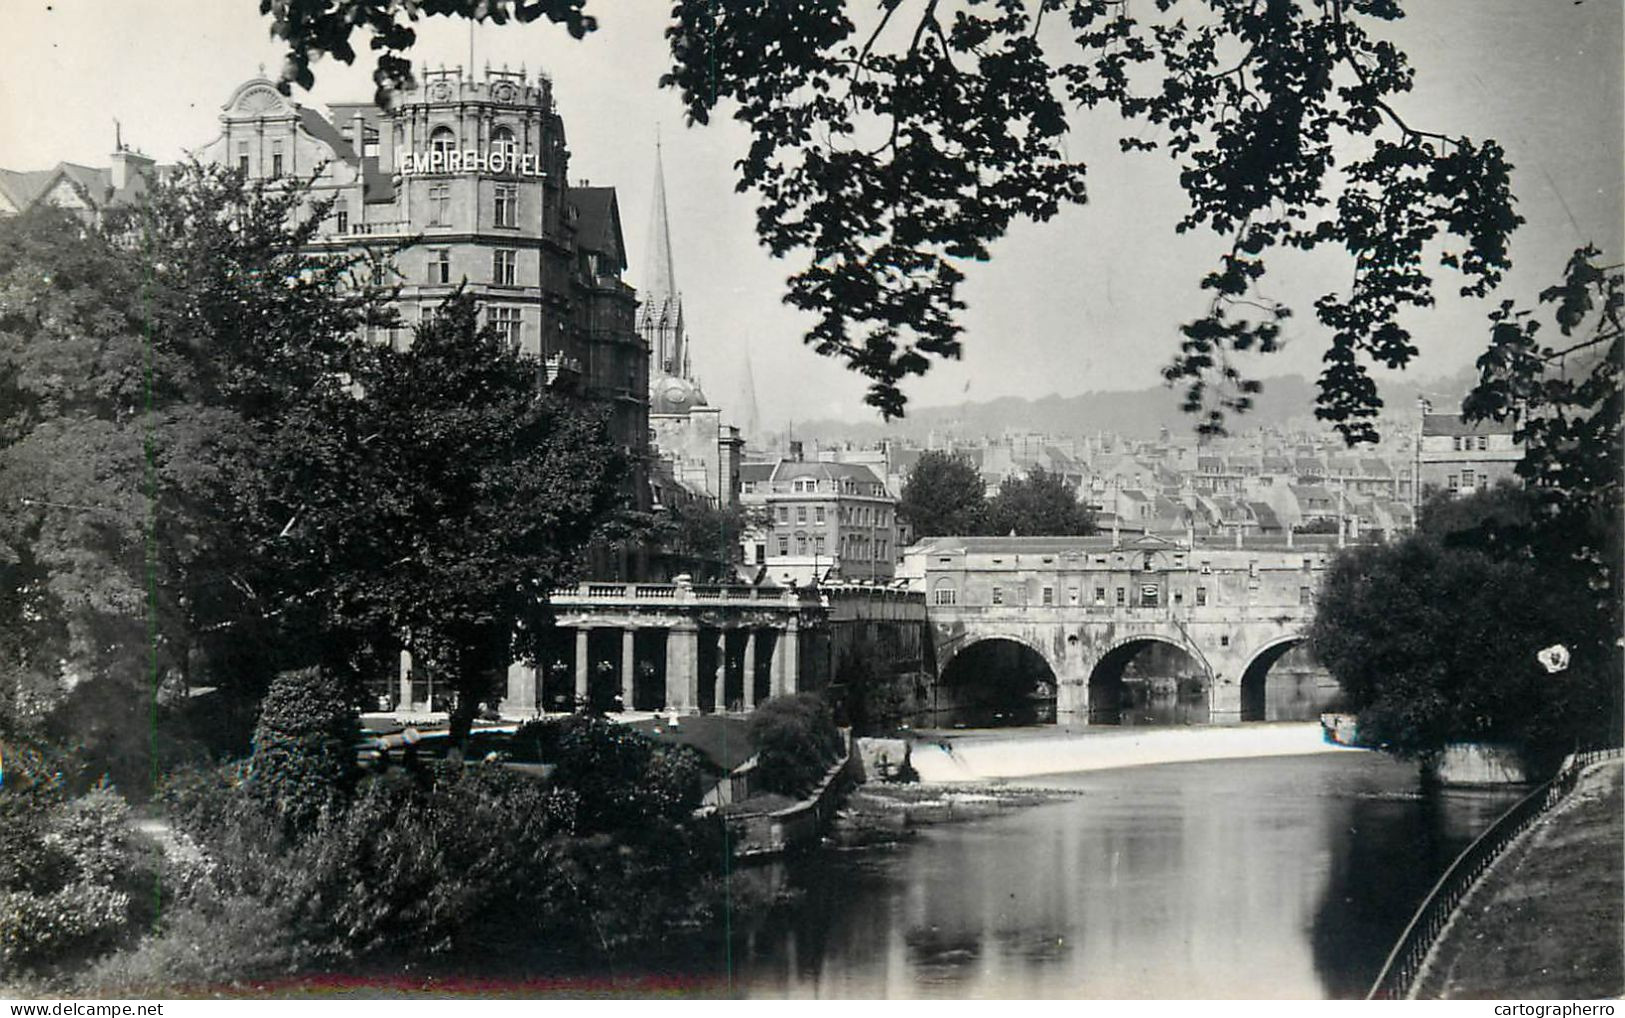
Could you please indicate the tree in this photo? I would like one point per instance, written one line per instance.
(894, 143)
(702, 538)
(147, 364)
(796, 742)
(943, 496)
(445, 500)
(1039, 504)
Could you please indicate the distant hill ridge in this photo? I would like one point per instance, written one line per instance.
(1140, 413)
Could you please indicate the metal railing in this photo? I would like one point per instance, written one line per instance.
(1405, 963)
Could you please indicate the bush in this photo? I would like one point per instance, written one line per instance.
(72, 882)
(303, 763)
(796, 742)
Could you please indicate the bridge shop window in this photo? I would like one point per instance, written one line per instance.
(998, 595)
(945, 595)
(1201, 596)
(1100, 595)
(1122, 597)
(1149, 595)
(1305, 595)
(1048, 597)
(1072, 595)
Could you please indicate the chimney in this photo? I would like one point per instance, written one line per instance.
(130, 169)
(358, 135)
(796, 451)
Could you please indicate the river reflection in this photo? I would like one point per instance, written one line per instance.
(1283, 877)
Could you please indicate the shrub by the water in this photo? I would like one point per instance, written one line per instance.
(796, 742)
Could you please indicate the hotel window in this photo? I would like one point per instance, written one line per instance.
(1072, 595)
(507, 205)
(276, 159)
(784, 546)
(818, 514)
(1304, 595)
(242, 158)
(801, 514)
(784, 514)
(1455, 443)
(507, 322)
(344, 220)
(504, 145)
(442, 142)
(1466, 478)
(439, 267)
(801, 544)
(1100, 595)
(1483, 442)
(504, 267)
(439, 204)
(818, 545)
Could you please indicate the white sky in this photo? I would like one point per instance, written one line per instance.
(1089, 301)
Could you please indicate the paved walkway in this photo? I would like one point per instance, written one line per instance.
(1548, 920)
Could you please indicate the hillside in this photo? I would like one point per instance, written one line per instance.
(1287, 400)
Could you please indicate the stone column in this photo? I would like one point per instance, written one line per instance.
(718, 643)
(406, 681)
(629, 672)
(582, 662)
(792, 657)
(750, 669)
(682, 667)
(1225, 700)
(775, 675)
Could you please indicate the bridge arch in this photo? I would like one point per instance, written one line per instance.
(1299, 693)
(1182, 696)
(996, 679)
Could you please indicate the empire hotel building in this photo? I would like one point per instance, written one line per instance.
(474, 173)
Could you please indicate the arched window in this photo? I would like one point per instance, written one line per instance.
(442, 142)
(944, 592)
(505, 145)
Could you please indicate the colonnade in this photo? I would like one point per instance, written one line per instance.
(693, 666)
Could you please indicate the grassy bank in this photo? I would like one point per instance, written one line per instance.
(1546, 921)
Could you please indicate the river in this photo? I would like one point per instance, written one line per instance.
(1280, 877)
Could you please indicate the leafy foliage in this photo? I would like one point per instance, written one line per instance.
(1040, 503)
(1433, 639)
(72, 883)
(703, 539)
(1566, 403)
(892, 142)
(943, 496)
(146, 368)
(796, 742)
(303, 762)
(447, 500)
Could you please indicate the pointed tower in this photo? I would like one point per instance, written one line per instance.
(750, 424)
(660, 318)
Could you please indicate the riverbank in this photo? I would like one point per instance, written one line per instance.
(1546, 920)
(955, 756)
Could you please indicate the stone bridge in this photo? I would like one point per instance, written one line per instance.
(1088, 606)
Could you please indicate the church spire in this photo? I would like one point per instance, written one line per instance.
(660, 319)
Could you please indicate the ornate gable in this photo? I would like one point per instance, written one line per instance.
(256, 99)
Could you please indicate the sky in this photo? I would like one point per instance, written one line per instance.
(1090, 301)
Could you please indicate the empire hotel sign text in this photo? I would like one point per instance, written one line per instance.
(470, 160)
